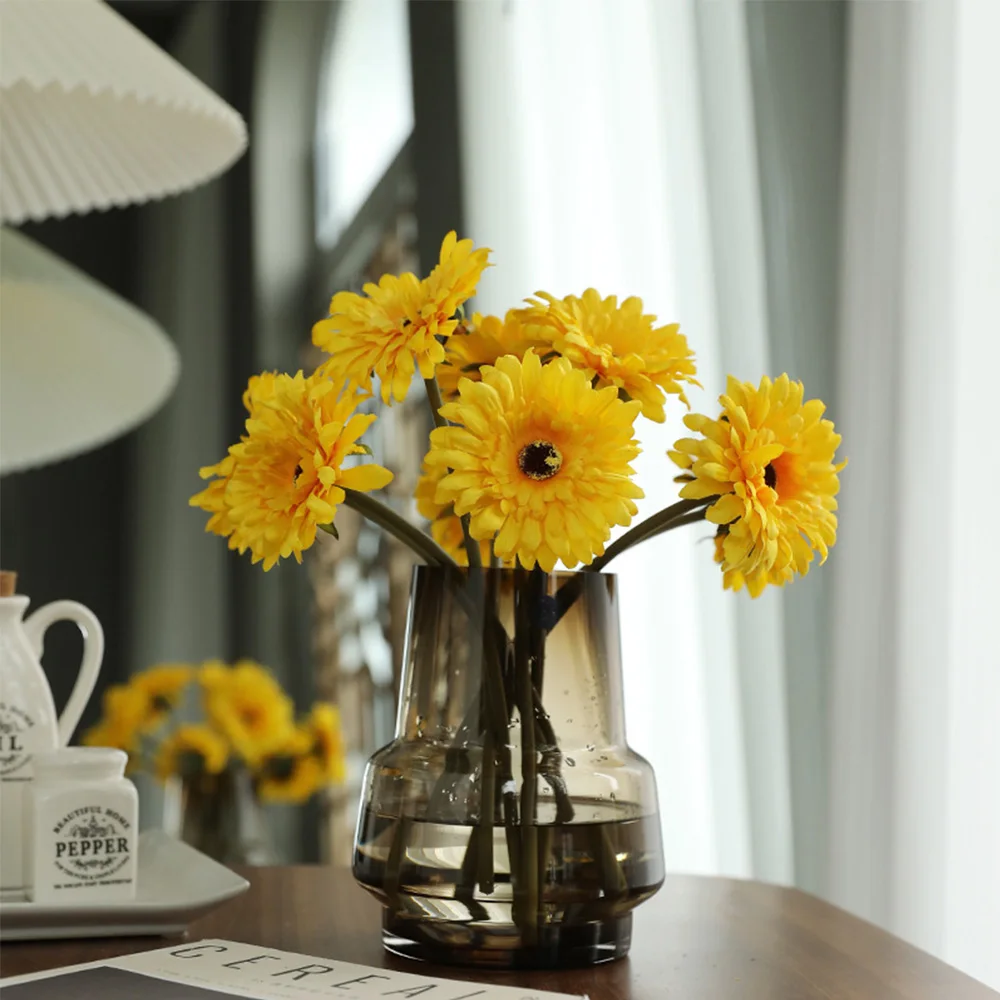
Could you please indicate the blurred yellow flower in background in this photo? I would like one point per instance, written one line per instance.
(191, 750)
(481, 342)
(126, 712)
(247, 722)
(292, 772)
(285, 478)
(396, 327)
(770, 457)
(326, 741)
(163, 687)
(617, 344)
(540, 460)
(248, 706)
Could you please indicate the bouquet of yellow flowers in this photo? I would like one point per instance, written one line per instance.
(528, 467)
(247, 721)
(534, 419)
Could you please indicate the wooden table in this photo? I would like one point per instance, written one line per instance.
(697, 939)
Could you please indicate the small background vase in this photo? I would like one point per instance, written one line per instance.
(473, 863)
(219, 815)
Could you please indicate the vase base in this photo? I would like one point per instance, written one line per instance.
(502, 946)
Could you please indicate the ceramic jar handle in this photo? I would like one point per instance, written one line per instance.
(93, 652)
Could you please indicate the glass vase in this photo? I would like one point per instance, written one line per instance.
(508, 824)
(219, 815)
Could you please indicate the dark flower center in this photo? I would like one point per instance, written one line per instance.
(296, 474)
(160, 703)
(251, 716)
(281, 767)
(770, 476)
(539, 460)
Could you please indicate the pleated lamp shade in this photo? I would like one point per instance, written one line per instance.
(78, 365)
(94, 115)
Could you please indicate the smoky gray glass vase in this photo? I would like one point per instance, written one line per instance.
(508, 824)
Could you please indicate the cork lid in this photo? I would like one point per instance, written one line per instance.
(8, 583)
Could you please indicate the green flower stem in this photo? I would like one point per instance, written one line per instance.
(695, 517)
(487, 813)
(674, 516)
(378, 513)
(394, 862)
(434, 398)
(471, 547)
(492, 725)
(664, 520)
(550, 766)
(526, 888)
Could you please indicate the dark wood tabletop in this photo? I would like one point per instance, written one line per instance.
(697, 939)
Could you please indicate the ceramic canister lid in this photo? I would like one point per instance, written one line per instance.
(8, 583)
(76, 763)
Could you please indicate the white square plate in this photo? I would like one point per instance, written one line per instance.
(176, 884)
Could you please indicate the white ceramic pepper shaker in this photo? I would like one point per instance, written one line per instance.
(81, 820)
(28, 720)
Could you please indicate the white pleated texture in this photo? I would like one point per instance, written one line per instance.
(94, 115)
(78, 365)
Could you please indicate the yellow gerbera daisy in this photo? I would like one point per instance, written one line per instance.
(395, 327)
(479, 343)
(446, 527)
(617, 343)
(327, 741)
(163, 687)
(125, 713)
(540, 460)
(247, 705)
(286, 476)
(293, 772)
(191, 750)
(213, 497)
(771, 457)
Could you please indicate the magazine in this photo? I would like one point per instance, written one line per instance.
(212, 970)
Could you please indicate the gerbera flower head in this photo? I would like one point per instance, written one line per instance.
(396, 326)
(286, 476)
(323, 727)
(446, 527)
(213, 497)
(539, 459)
(124, 716)
(163, 687)
(619, 344)
(770, 459)
(247, 706)
(191, 750)
(481, 342)
(292, 772)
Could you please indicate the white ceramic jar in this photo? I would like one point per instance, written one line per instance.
(81, 820)
(28, 720)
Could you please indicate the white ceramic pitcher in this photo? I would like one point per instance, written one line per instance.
(28, 721)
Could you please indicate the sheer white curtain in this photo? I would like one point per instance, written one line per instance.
(584, 165)
(915, 841)
(844, 736)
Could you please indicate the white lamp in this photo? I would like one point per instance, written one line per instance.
(92, 115)
(78, 365)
